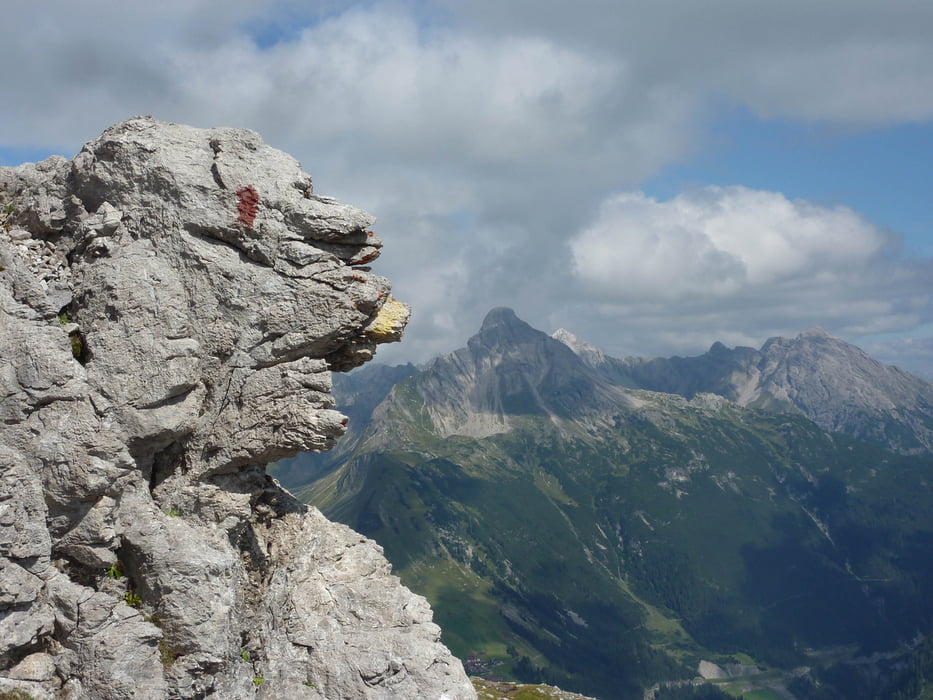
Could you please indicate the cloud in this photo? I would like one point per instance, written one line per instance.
(725, 262)
(488, 136)
(718, 242)
(852, 62)
(81, 67)
(520, 84)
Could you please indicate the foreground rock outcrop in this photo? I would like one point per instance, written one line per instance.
(172, 302)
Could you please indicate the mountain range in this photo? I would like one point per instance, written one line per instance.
(836, 385)
(607, 524)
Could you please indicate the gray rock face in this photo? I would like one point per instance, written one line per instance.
(172, 303)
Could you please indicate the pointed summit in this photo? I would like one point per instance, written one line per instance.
(499, 316)
(836, 385)
(507, 370)
(718, 348)
(814, 332)
(502, 331)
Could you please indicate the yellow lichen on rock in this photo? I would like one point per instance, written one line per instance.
(389, 322)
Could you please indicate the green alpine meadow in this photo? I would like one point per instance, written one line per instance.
(570, 526)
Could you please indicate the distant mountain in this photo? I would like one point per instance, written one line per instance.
(509, 370)
(836, 385)
(593, 534)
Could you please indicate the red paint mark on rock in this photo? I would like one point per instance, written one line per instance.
(247, 206)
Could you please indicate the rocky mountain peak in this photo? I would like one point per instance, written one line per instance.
(505, 343)
(814, 332)
(566, 337)
(173, 301)
(502, 331)
(718, 348)
(844, 389)
(590, 354)
(500, 316)
(508, 370)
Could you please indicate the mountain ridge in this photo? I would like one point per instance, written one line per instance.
(835, 384)
(507, 369)
(747, 376)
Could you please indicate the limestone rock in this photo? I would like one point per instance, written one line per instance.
(172, 303)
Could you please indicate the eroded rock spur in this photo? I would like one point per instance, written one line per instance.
(172, 303)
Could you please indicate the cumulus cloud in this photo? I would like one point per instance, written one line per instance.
(716, 242)
(372, 75)
(739, 265)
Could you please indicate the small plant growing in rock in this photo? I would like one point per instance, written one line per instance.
(244, 654)
(15, 695)
(167, 655)
(132, 599)
(258, 681)
(77, 347)
(64, 318)
(172, 513)
(6, 216)
(310, 684)
(113, 571)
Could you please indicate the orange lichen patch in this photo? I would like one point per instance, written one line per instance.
(247, 205)
(368, 258)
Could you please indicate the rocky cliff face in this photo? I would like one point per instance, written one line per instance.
(172, 302)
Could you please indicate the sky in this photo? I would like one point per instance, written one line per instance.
(651, 176)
